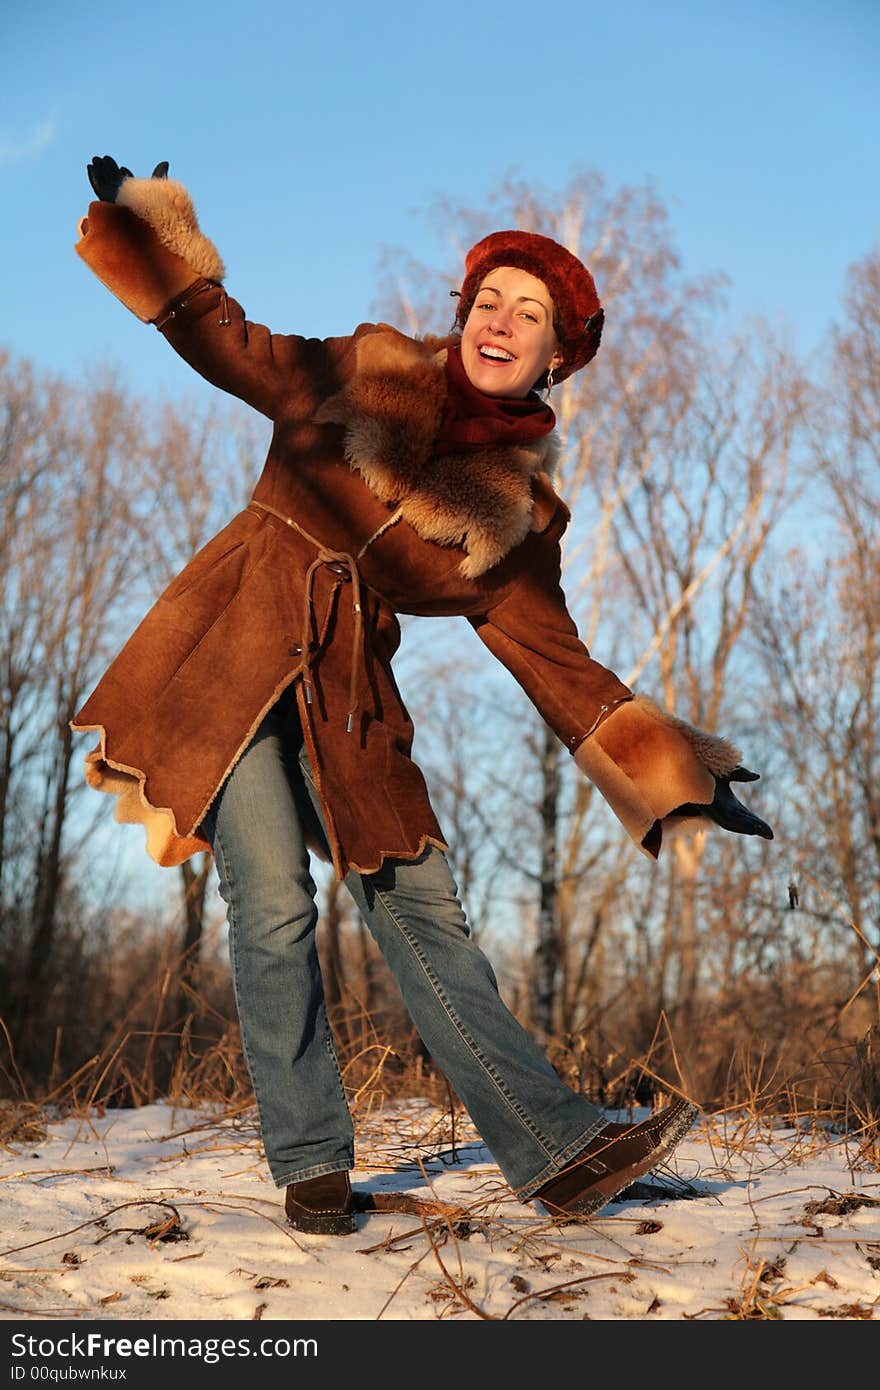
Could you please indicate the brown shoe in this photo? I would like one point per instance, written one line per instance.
(321, 1206)
(614, 1158)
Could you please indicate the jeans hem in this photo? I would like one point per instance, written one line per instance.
(317, 1170)
(561, 1161)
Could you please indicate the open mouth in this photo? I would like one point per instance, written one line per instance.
(495, 354)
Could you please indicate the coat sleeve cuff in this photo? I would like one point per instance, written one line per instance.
(127, 256)
(646, 763)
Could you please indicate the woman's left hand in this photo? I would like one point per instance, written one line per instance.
(726, 809)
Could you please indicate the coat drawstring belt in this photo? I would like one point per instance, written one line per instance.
(342, 563)
(334, 558)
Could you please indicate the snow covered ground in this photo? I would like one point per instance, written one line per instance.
(160, 1214)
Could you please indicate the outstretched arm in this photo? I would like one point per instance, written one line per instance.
(143, 241)
(658, 774)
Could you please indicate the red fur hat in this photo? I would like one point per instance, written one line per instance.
(578, 315)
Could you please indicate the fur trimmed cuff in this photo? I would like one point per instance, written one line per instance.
(168, 208)
(646, 762)
(127, 256)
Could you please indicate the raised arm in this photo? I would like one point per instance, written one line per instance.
(657, 773)
(142, 239)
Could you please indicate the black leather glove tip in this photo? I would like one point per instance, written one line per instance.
(728, 811)
(106, 177)
(742, 774)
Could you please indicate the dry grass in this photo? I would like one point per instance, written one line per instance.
(755, 1059)
(828, 1095)
(417, 1137)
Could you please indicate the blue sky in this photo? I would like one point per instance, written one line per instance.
(313, 136)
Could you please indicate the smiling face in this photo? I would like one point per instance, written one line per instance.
(509, 341)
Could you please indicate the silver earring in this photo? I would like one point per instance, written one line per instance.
(549, 381)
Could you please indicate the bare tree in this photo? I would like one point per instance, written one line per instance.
(674, 465)
(200, 469)
(28, 442)
(85, 472)
(820, 638)
(62, 565)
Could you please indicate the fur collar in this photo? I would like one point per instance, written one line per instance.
(391, 409)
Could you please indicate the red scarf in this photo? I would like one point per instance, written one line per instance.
(472, 418)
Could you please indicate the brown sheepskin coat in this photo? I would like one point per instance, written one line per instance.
(352, 522)
(349, 510)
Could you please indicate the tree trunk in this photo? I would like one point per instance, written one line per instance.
(547, 949)
(8, 741)
(688, 853)
(688, 857)
(368, 983)
(195, 882)
(49, 882)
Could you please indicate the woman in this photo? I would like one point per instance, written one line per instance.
(254, 711)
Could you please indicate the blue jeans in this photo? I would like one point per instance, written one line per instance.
(530, 1120)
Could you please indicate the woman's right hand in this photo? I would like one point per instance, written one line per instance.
(142, 238)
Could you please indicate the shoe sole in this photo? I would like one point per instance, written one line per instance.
(335, 1223)
(606, 1189)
